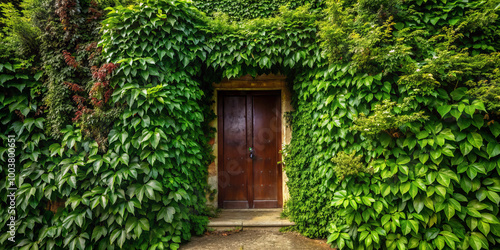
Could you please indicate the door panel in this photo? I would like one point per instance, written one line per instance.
(234, 160)
(249, 120)
(265, 138)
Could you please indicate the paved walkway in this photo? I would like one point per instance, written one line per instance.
(255, 239)
(251, 229)
(250, 218)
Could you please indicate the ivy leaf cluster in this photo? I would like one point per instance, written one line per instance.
(348, 164)
(385, 119)
(244, 10)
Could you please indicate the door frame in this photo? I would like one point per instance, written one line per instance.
(248, 83)
(250, 138)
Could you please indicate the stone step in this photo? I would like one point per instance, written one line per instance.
(249, 218)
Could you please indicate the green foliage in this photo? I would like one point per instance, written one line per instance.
(429, 177)
(385, 117)
(488, 89)
(263, 45)
(310, 208)
(112, 3)
(432, 183)
(69, 55)
(283, 44)
(163, 123)
(240, 10)
(147, 189)
(20, 36)
(22, 117)
(348, 164)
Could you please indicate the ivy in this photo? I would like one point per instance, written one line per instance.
(146, 187)
(250, 9)
(385, 119)
(427, 173)
(356, 65)
(348, 164)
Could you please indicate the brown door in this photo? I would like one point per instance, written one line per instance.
(249, 144)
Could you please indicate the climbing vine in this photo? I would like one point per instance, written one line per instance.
(434, 181)
(395, 126)
(250, 9)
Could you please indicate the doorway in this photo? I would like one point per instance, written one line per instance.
(249, 125)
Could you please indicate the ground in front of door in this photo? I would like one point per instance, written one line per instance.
(254, 239)
(248, 229)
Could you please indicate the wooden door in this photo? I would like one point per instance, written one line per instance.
(249, 143)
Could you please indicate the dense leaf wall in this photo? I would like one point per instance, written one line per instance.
(406, 101)
(284, 44)
(250, 9)
(157, 154)
(394, 144)
(148, 188)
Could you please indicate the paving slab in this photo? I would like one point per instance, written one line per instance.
(257, 239)
(249, 229)
(250, 218)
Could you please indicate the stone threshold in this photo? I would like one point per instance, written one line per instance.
(250, 218)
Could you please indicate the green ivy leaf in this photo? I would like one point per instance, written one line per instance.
(443, 110)
(494, 197)
(493, 149)
(156, 140)
(405, 187)
(477, 240)
(405, 227)
(422, 134)
(155, 185)
(418, 204)
(447, 134)
(144, 224)
(475, 139)
(440, 190)
(495, 129)
(123, 137)
(423, 158)
(167, 213)
(403, 160)
(145, 74)
(114, 235)
(465, 148)
(449, 211)
(385, 140)
(434, 20)
(131, 224)
(457, 94)
(4, 78)
(98, 232)
(439, 241)
(464, 123)
(484, 227)
(454, 21)
(385, 219)
(413, 190)
(124, 158)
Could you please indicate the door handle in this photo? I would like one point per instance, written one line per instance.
(251, 152)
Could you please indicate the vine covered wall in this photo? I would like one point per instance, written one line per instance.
(412, 131)
(139, 184)
(395, 132)
(250, 9)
